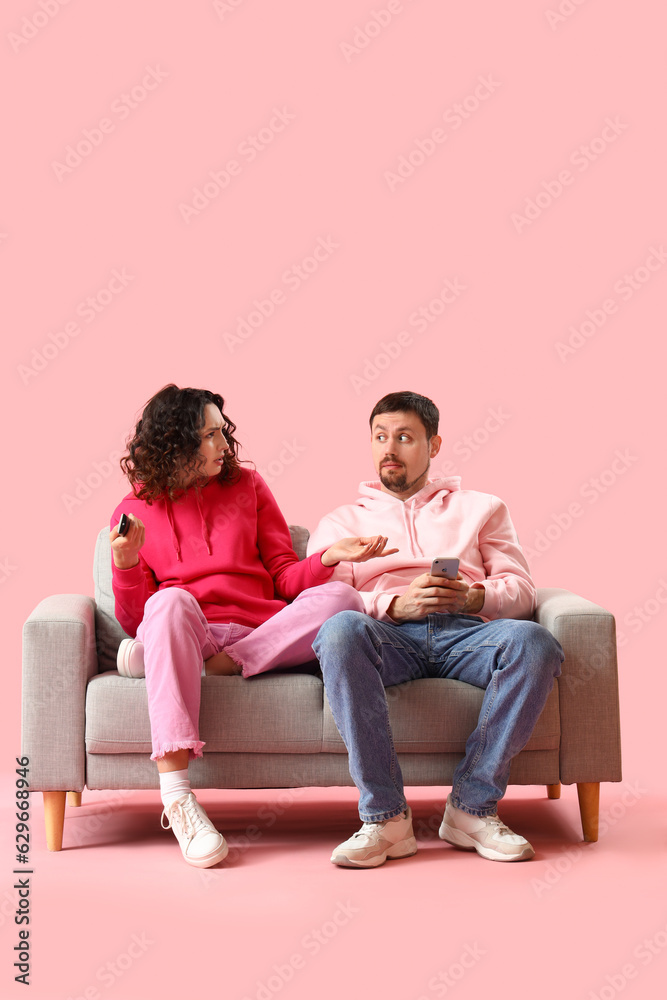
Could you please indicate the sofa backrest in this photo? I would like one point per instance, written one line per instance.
(108, 632)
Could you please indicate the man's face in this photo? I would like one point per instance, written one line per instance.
(402, 453)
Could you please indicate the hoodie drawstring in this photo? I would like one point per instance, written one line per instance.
(174, 536)
(204, 526)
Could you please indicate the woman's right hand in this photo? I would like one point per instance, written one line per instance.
(125, 548)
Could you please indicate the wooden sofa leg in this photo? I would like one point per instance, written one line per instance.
(54, 818)
(74, 798)
(553, 791)
(589, 807)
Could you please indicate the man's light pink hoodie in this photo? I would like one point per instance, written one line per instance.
(440, 520)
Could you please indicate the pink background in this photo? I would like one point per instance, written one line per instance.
(308, 377)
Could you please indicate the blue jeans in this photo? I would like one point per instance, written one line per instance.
(514, 661)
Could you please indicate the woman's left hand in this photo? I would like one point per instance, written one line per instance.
(356, 550)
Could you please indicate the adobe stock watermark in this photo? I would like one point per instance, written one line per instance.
(598, 661)
(287, 455)
(311, 944)
(85, 485)
(83, 825)
(444, 980)
(87, 310)
(420, 320)
(645, 952)
(292, 278)
(625, 288)
(564, 11)
(121, 109)
(581, 158)
(240, 843)
(364, 34)
(248, 149)
(591, 491)
(554, 871)
(428, 829)
(116, 968)
(7, 568)
(453, 117)
(467, 446)
(32, 24)
(643, 614)
(224, 7)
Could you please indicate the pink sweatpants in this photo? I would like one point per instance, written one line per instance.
(177, 639)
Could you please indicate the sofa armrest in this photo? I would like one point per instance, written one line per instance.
(59, 657)
(587, 688)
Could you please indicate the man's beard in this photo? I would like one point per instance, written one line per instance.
(400, 484)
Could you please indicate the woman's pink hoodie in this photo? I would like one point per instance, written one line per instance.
(227, 544)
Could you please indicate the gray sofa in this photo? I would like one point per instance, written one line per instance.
(85, 725)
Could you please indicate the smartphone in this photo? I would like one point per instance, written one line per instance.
(445, 567)
(123, 525)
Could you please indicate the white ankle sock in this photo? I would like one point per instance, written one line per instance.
(173, 785)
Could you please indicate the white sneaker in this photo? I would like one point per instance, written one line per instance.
(201, 844)
(130, 658)
(487, 835)
(375, 842)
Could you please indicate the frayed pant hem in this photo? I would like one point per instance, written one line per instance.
(194, 746)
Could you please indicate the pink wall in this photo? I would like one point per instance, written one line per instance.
(119, 112)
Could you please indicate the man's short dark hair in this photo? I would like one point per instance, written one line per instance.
(410, 402)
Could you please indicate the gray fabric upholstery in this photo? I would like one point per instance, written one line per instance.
(588, 686)
(437, 716)
(59, 657)
(289, 713)
(282, 770)
(83, 723)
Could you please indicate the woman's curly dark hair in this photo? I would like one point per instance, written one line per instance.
(166, 442)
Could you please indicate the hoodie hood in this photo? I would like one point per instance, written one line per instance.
(432, 495)
(203, 524)
(372, 494)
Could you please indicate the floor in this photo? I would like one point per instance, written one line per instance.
(118, 914)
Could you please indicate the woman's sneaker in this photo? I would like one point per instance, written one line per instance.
(487, 835)
(375, 842)
(130, 659)
(201, 844)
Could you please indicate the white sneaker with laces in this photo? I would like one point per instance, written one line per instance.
(201, 844)
(375, 842)
(130, 658)
(487, 835)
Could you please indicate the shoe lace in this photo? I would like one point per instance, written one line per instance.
(367, 829)
(187, 815)
(496, 822)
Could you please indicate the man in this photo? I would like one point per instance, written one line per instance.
(417, 625)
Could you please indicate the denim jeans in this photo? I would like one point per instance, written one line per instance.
(514, 661)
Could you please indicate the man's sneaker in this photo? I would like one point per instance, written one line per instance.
(487, 835)
(375, 842)
(201, 844)
(130, 659)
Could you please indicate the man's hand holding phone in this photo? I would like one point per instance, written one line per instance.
(442, 590)
(126, 539)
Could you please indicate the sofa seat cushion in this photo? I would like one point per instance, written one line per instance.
(289, 713)
(434, 715)
(279, 713)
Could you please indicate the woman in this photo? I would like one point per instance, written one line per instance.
(196, 578)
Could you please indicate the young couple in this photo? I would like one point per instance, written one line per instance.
(204, 571)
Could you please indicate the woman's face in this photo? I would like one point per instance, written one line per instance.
(213, 442)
